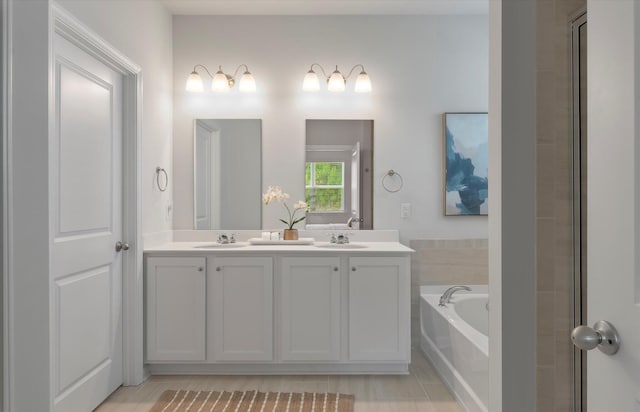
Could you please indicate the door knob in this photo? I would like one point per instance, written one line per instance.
(121, 246)
(602, 336)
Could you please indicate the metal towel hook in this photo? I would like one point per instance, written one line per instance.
(391, 174)
(161, 187)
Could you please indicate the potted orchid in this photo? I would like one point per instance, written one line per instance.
(276, 194)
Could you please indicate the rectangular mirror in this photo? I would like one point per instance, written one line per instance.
(338, 174)
(227, 174)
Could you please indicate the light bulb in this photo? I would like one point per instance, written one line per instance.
(311, 82)
(363, 83)
(336, 81)
(194, 83)
(247, 83)
(220, 82)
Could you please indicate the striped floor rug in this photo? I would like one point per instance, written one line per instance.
(252, 401)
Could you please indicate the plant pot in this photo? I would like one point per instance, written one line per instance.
(290, 234)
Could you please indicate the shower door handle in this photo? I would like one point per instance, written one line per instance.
(602, 336)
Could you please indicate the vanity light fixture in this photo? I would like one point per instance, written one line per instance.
(336, 82)
(221, 82)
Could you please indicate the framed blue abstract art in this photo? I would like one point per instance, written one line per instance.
(466, 160)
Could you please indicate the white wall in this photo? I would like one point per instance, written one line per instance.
(27, 144)
(420, 66)
(141, 29)
(512, 245)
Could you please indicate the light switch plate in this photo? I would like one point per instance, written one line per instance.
(405, 210)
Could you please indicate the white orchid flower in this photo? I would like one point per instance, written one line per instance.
(300, 205)
(276, 193)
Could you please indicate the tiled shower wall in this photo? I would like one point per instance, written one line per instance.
(554, 204)
(445, 262)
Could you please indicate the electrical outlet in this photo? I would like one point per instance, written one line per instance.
(169, 211)
(405, 210)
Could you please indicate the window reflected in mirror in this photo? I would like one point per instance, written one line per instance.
(325, 189)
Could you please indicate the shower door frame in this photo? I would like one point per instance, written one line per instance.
(579, 216)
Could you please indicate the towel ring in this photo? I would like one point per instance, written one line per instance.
(391, 173)
(159, 171)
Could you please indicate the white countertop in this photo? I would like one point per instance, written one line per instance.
(192, 248)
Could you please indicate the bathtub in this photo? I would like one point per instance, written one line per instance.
(455, 340)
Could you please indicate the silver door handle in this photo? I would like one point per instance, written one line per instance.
(602, 336)
(121, 246)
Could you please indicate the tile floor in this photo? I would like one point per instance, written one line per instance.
(421, 390)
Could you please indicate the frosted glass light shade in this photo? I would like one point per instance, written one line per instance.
(247, 83)
(194, 83)
(311, 82)
(220, 82)
(363, 83)
(336, 82)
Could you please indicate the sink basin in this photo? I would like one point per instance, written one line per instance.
(340, 246)
(221, 246)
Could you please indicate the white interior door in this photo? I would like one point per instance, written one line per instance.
(355, 186)
(86, 200)
(613, 222)
(215, 180)
(207, 177)
(203, 166)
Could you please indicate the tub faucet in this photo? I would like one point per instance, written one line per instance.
(446, 296)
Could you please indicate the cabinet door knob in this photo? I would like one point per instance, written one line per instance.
(218, 269)
(200, 269)
(335, 269)
(353, 268)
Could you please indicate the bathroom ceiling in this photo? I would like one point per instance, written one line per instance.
(325, 7)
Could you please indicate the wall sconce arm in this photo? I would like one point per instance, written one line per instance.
(321, 69)
(205, 69)
(235, 73)
(352, 69)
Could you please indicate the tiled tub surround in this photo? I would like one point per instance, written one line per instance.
(454, 338)
(278, 309)
(449, 262)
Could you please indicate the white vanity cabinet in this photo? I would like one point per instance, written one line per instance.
(310, 308)
(175, 309)
(272, 310)
(379, 309)
(240, 300)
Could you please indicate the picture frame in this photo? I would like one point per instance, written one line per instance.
(465, 163)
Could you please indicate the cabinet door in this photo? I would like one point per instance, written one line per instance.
(379, 309)
(176, 310)
(310, 311)
(242, 309)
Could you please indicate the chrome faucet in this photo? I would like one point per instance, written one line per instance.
(224, 239)
(446, 296)
(340, 239)
(353, 220)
